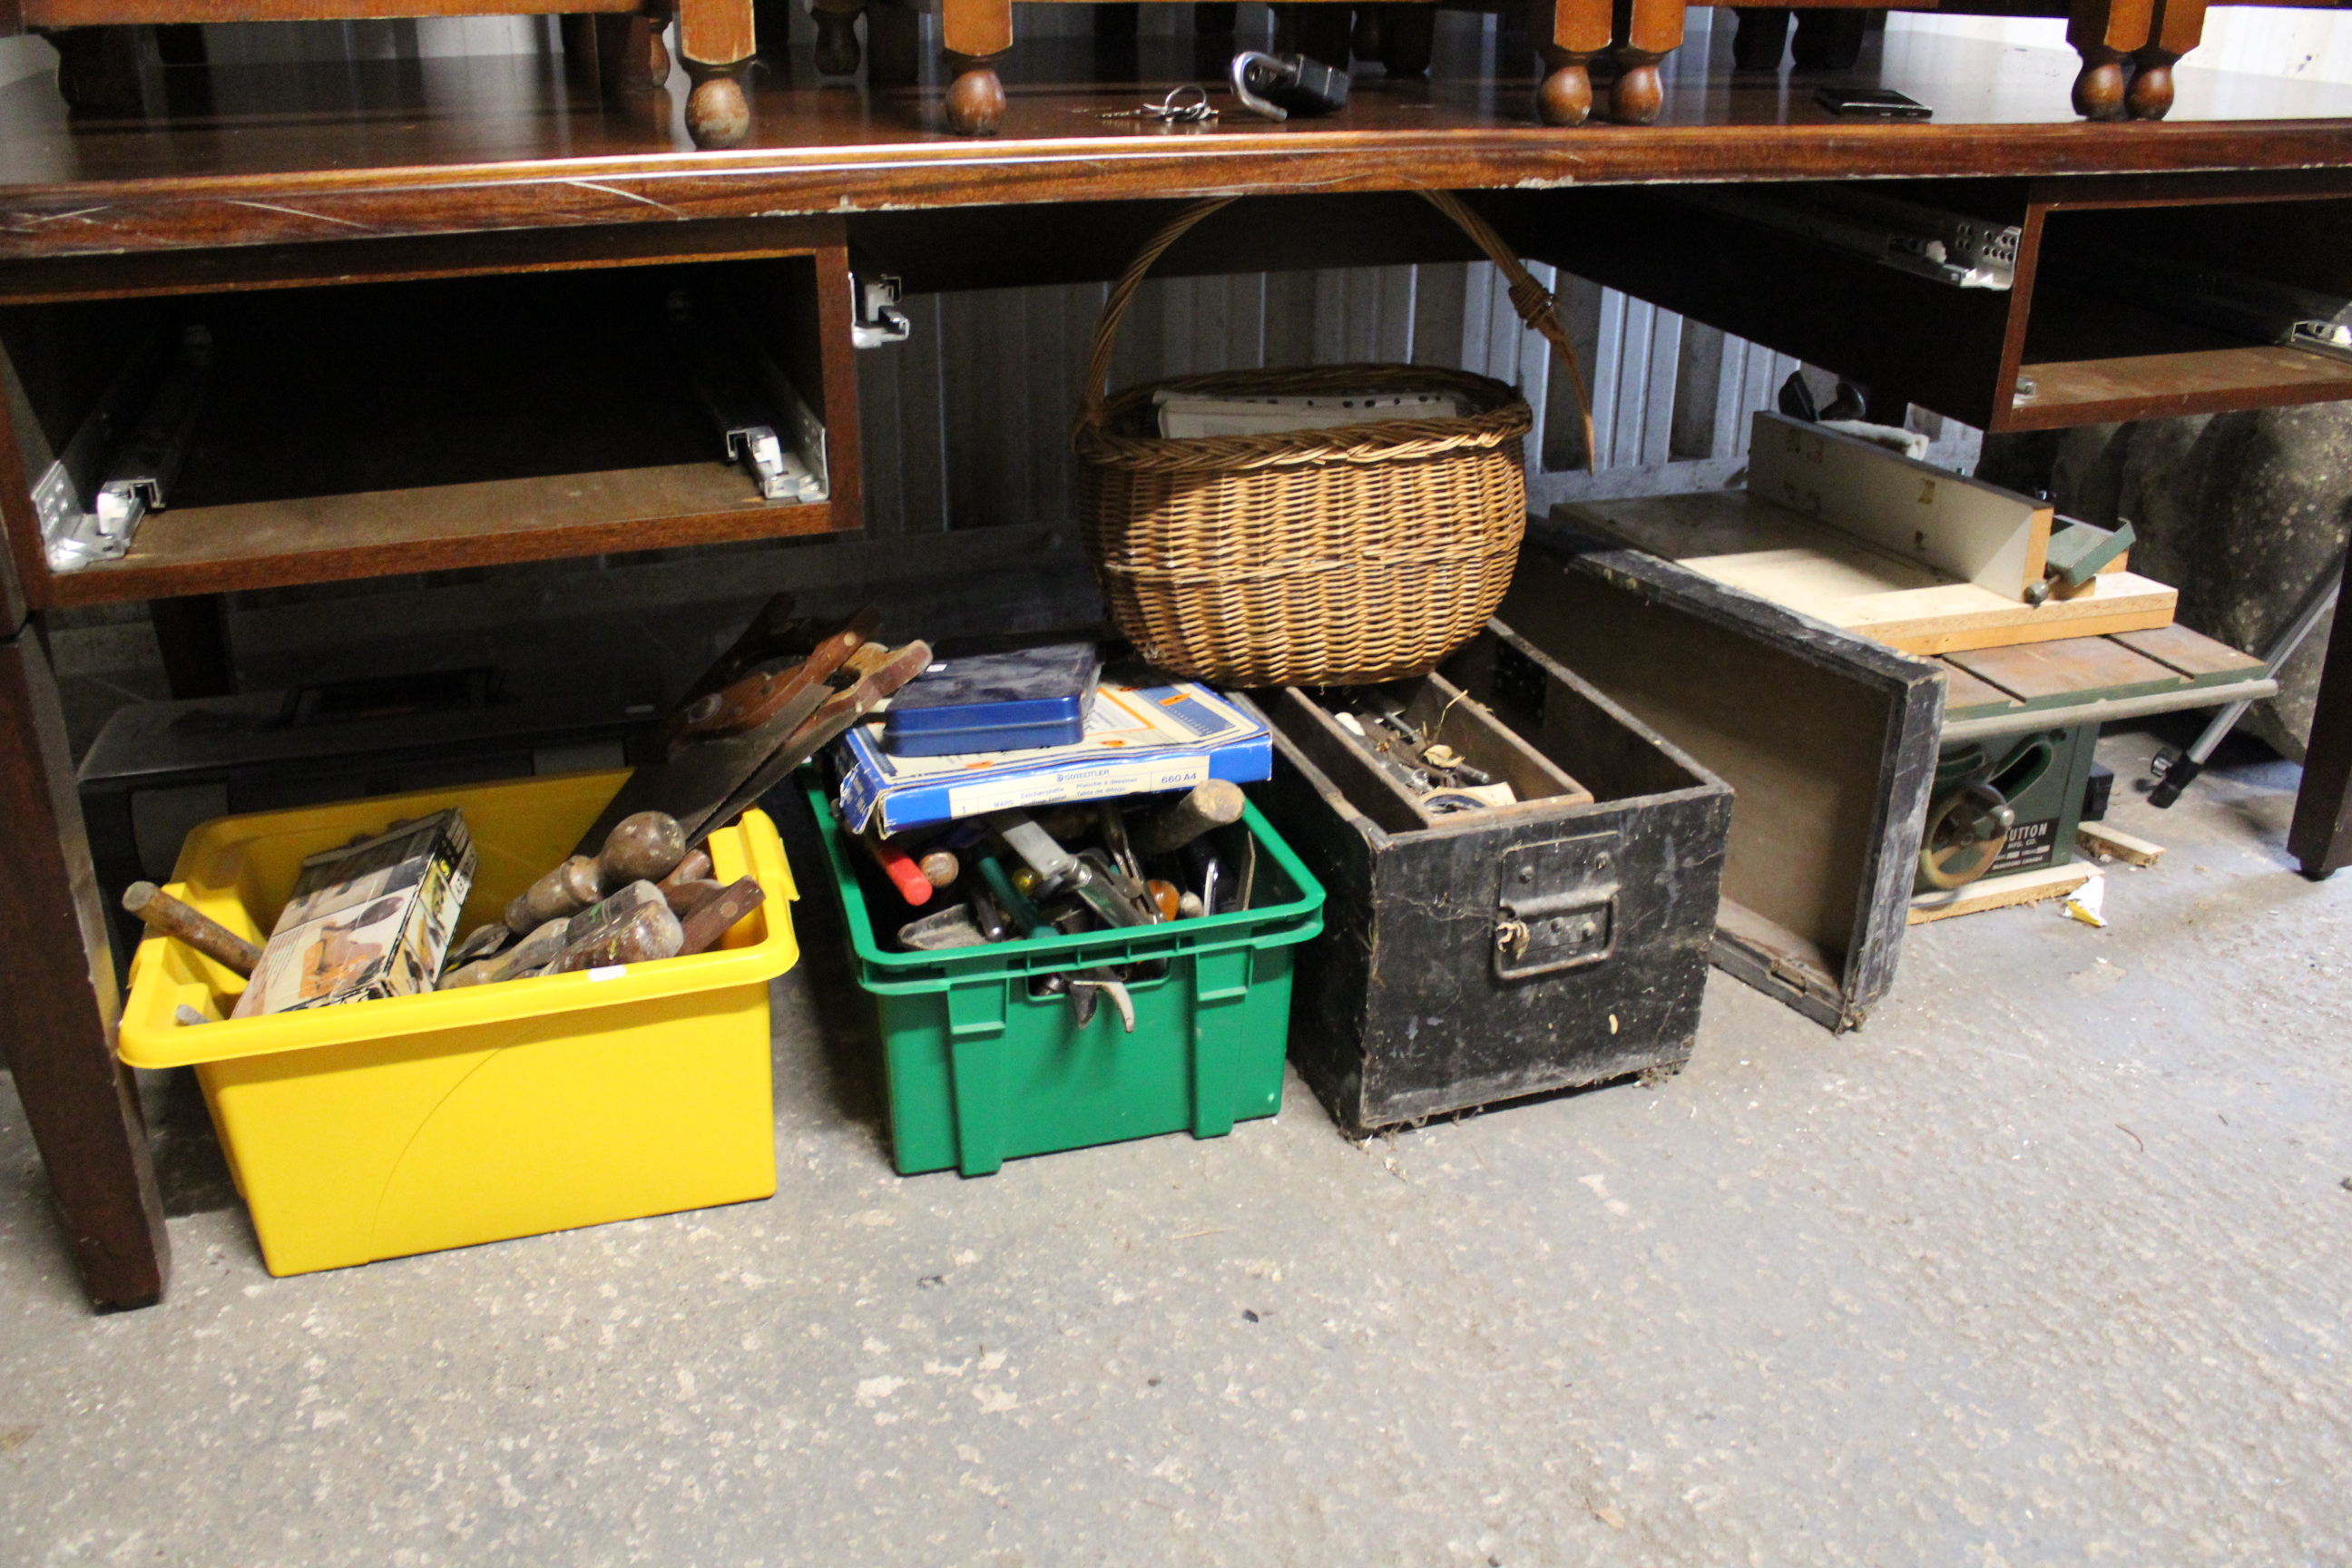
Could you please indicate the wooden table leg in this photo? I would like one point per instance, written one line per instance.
(1830, 38)
(1408, 38)
(1569, 35)
(2105, 33)
(894, 44)
(717, 39)
(59, 1002)
(1647, 31)
(1760, 39)
(975, 33)
(2179, 28)
(2321, 838)
(618, 53)
(98, 70)
(836, 34)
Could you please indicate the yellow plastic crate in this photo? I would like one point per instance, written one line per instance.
(380, 1129)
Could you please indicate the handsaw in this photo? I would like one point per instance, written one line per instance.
(759, 697)
(822, 728)
(699, 774)
(774, 634)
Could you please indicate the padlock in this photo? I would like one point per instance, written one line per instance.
(1279, 86)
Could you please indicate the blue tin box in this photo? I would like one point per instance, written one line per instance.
(1014, 701)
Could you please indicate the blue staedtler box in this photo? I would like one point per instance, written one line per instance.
(1013, 701)
(1146, 732)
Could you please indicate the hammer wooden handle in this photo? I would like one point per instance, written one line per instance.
(168, 915)
(1217, 804)
(715, 915)
(695, 867)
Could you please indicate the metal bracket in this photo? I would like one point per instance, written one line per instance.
(880, 321)
(1556, 906)
(2333, 339)
(1950, 247)
(123, 467)
(751, 401)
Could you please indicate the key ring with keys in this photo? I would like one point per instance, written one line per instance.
(1173, 110)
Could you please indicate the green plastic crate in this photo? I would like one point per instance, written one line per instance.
(980, 1071)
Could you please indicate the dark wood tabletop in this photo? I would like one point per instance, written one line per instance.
(258, 154)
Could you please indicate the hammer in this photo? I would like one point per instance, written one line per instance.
(164, 913)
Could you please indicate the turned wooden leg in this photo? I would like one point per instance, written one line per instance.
(98, 70)
(622, 53)
(1213, 35)
(837, 35)
(643, 49)
(2321, 838)
(772, 24)
(1408, 38)
(894, 44)
(2179, 28)
(1325, 32)
(59, 1000)
(1568, 35)
(1829, 40)
(1115, 27)
(2106, 33)
(1646, 31)
(1759, 37)
(975, 33)
(577, 29)
(717, 39)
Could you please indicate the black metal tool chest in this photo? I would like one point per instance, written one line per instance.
(1477, 957)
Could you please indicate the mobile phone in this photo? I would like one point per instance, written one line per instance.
(1875, 102)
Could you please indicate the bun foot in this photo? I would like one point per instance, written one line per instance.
(975, 103)
(2099, 90)
(1565, 97)
(1637, 96)
(656, 60)
(717, 115)
(2149, 97)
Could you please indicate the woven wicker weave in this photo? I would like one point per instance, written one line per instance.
(1319, 557)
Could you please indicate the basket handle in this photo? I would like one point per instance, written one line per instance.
(1530, 299)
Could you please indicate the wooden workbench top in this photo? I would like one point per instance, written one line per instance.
(256, 155)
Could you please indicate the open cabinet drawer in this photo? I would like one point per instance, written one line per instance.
(2010, 304)
(399, 406)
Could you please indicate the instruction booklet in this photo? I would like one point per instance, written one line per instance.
(1145, 732)
(367, 920)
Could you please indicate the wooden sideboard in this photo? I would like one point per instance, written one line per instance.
(270, 201)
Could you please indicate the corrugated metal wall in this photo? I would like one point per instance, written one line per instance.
(967, 425)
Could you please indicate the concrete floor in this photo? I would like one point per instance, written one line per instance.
(2050, 1263)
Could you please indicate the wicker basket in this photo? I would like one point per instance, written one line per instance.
(1334, 557)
